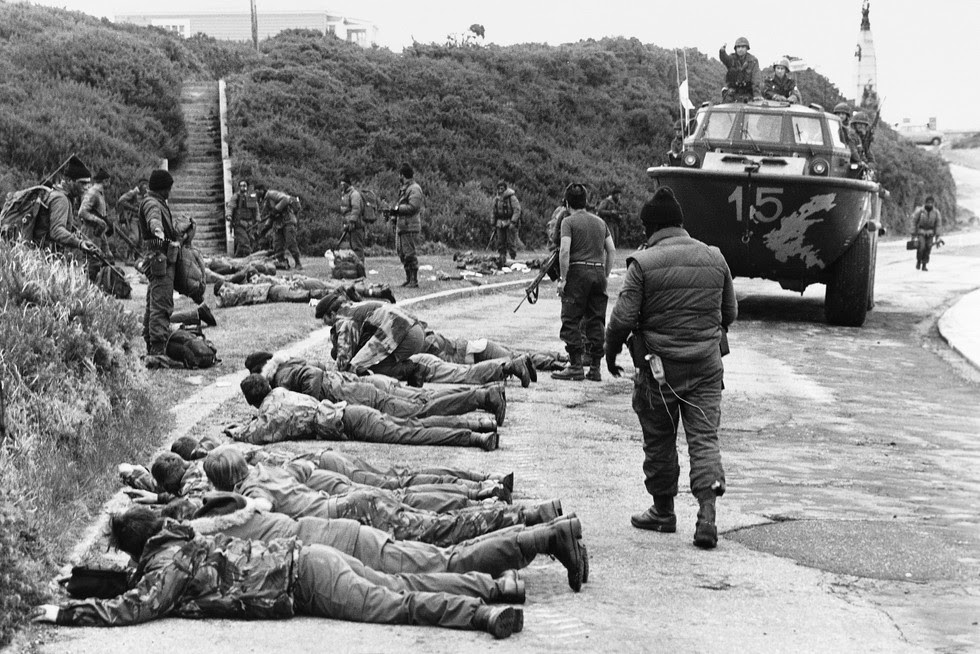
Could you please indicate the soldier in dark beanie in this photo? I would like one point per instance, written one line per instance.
(677, 301)
(407, 214)
(162, 246)
(63, 234)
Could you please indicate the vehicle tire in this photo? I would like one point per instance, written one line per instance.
(848, 292)
(936, 141)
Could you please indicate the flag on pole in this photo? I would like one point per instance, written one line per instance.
(682, 88)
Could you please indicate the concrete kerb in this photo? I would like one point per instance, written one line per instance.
(958, 326)
(197, 407)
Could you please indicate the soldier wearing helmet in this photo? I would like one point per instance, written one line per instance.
(743, 79)
(861, 126)
(676, 146)
(781, 86)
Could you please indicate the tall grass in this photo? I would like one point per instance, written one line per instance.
(77, 401)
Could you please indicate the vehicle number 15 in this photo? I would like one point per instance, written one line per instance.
(767, 207)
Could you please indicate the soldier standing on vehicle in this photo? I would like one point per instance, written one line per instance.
(781, 86)
(676, 146)
(610, 211)
(743, 79)
(677, 300)
(280, 210)
(352, 215)
(242, 213)
(407, 214)
(861, 125)
(506, 215)
(161, 241)
(127, 220)
(585, 259)
(926, 225)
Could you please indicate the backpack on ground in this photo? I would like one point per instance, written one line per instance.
(113, 282)
(347, 265)
(191, 348)
(19, 216)
(369, 207)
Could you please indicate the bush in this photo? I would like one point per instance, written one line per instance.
(76, 402)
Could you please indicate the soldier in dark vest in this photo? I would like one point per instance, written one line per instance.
(161, 243)
(242, 213)
(506, 216)
(743, 79)
(926, 224)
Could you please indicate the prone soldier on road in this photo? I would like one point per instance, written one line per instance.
(242, 213)
(676, 302)
(743, 79)
(279, 209)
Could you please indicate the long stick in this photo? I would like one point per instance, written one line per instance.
(677, 71)
(57, 170)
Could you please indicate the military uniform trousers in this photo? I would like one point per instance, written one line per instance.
(699, 384)
(397, 476)
(357, 236)
(284, 239)
(440, 412)
(438, 498)
(924, 249)
(332, 585)
(406, 523)
(407, 249)
(454, 350)
(437, 371)
(243, 238)
(159, 303)
(583, 310)
(363, 423)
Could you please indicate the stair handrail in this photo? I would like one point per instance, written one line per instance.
(225, 164)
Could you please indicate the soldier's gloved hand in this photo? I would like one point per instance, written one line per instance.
(45, 613)
(87, 246)
(614, 370)
(141, 496)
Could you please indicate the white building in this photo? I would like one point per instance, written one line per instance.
(237, 26)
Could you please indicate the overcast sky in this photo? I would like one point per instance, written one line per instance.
(928, 51)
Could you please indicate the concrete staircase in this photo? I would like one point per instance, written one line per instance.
(198, 190)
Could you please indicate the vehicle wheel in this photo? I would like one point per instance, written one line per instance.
(937, 141)
(848, 292)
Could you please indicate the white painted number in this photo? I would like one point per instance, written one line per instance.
(761, 200)
(736, 197)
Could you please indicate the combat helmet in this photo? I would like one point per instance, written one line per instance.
(784, 62)
(842, 108)
(860, 117)
(742, 41)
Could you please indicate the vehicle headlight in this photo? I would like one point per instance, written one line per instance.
(691, 159)
(819, 167)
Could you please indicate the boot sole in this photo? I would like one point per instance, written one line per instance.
(654, 526)
(502, 626)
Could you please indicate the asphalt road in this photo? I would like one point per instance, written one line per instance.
(850, 522)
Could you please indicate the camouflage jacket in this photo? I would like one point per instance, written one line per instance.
(285, 415)
(352, 207)
(367, 332)
(236, 295)
(62, 228)
(278, 207)
(186, 575)
(409, 207)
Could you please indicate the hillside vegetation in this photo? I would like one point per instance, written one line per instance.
(538, 116)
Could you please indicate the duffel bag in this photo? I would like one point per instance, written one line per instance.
(192, 349)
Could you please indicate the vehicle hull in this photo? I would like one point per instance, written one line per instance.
(786, 228)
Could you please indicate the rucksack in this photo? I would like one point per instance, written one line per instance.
(19, 216)
(114, 283)
(347, 265)
(369, 207)
(190, 275)
(192, 349)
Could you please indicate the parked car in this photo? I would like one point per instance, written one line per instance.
(920, 134)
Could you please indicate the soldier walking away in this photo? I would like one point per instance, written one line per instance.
(62, 234)
(162, 246)
(781, 86)
(677, 301)
(352, 214)
(926, 225)
(407, 214)
(610, 211)
(280, 210)
(242, 212)
(506, 218)
(743, 79)
(585, 259)
(127, 220)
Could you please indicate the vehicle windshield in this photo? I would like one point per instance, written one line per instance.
(718, 125)
(807, 130)
(836, 129)
(762, 127)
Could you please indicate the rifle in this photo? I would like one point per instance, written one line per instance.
(531, 290)
(346, 235)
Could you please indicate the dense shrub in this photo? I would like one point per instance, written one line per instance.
(76, 402)
(539, 116)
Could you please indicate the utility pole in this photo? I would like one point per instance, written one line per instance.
(255, 26)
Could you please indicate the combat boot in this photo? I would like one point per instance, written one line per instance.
(498, 621)
(206, 316)
(705, 530)
(190, 317)
(408, 277)
(542, 513)
(573, 371)
(492, 490)
(510, 588)
(299, 265)
(487, 441)
(519, 367)
(413, 278)
(494, 399)
(659, 517)
(481, 424)
(595, 371)
(559, 539)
